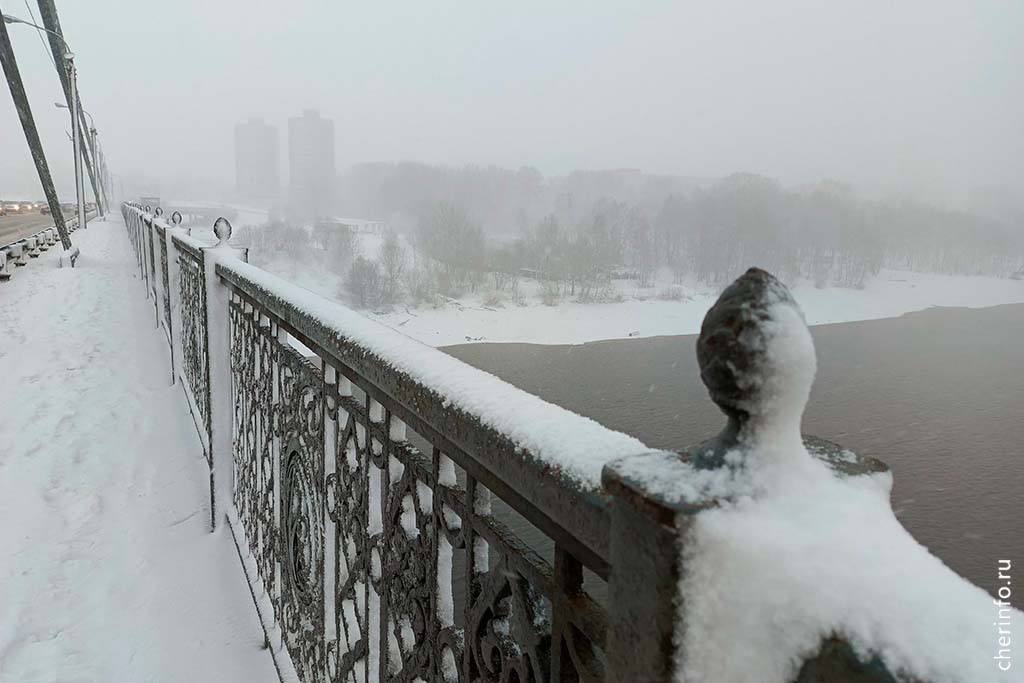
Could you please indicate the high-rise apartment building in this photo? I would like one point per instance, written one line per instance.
(311, 164)
(257, 159)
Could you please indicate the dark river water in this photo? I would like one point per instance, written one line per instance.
(938, 395)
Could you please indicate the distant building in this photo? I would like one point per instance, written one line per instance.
(360, 226)
(257, 159)
(311, 164)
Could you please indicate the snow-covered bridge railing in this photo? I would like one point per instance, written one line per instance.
(401, 516)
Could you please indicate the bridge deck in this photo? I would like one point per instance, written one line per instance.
(108, 571)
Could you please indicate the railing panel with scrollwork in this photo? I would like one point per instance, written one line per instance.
(357, 524)
(136, 236)
(194, 337)
(255, 478)
(161, 235)
(149, 237)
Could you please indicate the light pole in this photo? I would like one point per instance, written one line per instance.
(95, 158)
(69, 56)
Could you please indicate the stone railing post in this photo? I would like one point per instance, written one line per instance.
(144, 223)
(644, 549)
(156, 274)
(218, 329)
(133, 231)
(138, 241)
(651, 516)
(174, 292)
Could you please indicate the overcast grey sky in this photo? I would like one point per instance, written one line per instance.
(923, 97)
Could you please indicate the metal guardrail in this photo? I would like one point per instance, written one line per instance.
(381, 525)
(18, 252)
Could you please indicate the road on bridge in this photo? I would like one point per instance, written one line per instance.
(13, 228)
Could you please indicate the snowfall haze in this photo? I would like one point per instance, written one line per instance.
(920, 99)
(438, 348)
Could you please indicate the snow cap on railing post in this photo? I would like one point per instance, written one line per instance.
(176, 220)
(222, 230)
(758, 362)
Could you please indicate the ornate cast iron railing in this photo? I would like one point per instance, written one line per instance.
(194, 339)
(356, 522)
(388, 534)
(165, 289)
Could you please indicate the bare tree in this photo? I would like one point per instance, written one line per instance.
(364, 282)
(341, 247)
(393, 262)
(448, 235)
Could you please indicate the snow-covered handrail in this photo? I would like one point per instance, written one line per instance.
(553, 456)
(422, 443)
(382, 494)
(189, 244)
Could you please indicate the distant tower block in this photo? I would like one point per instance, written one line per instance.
(257, 160)
(311, 168)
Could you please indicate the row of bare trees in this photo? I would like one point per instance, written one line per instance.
(825, 235)
(579, 240)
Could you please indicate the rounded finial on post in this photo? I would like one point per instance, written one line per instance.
(222, 229)
(159, 211)
(176, 218)
(147, 208)
(757, 360)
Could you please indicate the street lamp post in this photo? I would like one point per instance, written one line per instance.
(69, 56)
(79, 186)
(95, 158)
(9, 65)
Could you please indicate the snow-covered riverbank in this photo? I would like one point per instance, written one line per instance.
(891, 294)
(470, 319)
(641, 312)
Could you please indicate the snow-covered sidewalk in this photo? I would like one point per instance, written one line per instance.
(108, 571)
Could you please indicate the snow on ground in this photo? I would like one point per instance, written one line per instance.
(108, 571)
